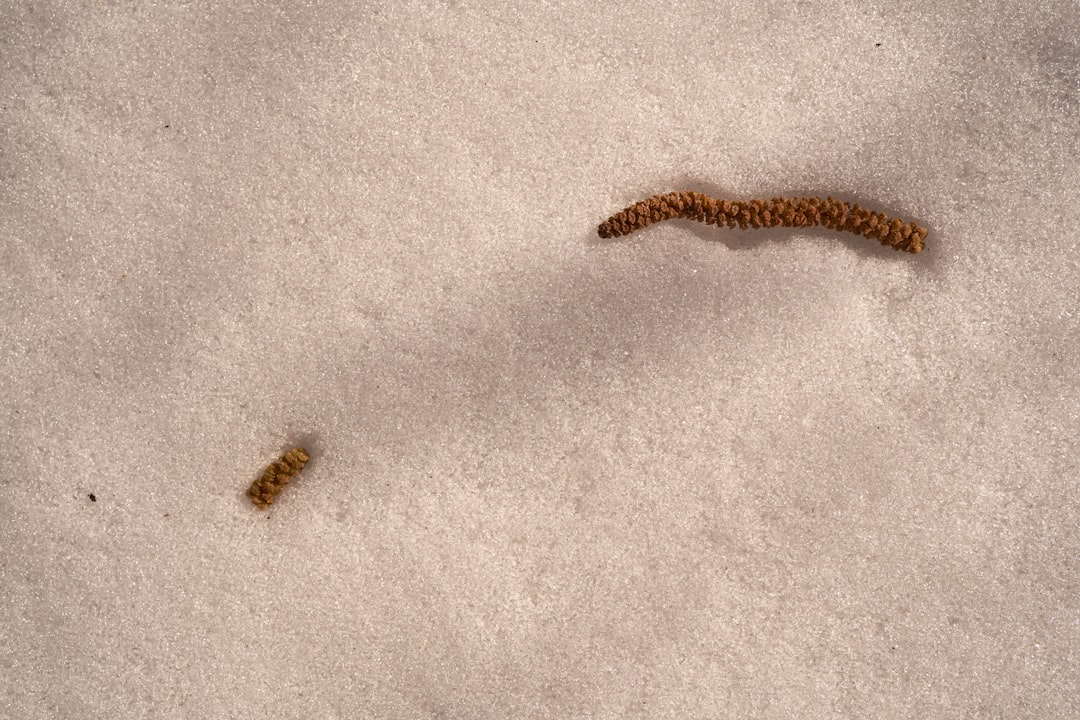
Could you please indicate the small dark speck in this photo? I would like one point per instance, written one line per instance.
(875, 45)
(93, 497)
(166, 514)
(166, 126)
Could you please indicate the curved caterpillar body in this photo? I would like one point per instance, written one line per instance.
(276, 476)
(778, 211)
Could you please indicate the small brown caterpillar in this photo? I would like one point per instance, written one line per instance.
(276, 476)
(779, 211)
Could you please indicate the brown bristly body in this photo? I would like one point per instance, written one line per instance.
(759, 213)
(276, 476)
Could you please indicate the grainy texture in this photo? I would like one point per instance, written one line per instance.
(774, 212)
(779, 475)
(277, 475)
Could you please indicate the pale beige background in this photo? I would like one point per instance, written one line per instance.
(696, 473)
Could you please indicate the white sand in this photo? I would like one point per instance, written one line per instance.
(694, 473)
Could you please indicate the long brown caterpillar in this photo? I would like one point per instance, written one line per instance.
(776, 212)
(276, 476)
